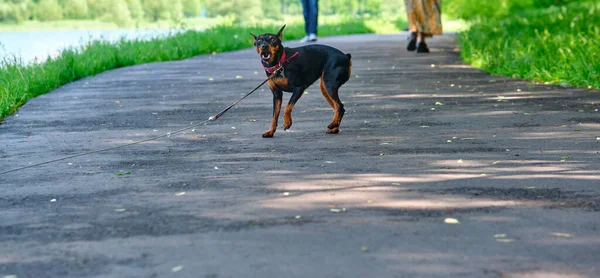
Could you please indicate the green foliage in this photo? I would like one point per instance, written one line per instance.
(47, 10)
(272, 9)
(555, 44)
(19, 83)
(242, 9)
(163, 9)
(75, 9)
(118, 12)
(473, 9)
(191, 8)
(136, 10)
(14, 11)
(98, 8)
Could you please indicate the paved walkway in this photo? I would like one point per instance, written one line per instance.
(426, 139)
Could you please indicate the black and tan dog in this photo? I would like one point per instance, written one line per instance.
(314, 61)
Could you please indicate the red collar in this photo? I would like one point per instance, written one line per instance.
(273, 68)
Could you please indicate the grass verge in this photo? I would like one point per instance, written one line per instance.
(558, 45)
(19, 83)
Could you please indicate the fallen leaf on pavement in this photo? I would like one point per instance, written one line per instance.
(451, 221)
(177, 268)
(561, 235)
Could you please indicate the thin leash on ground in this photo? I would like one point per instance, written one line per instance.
(212, 118)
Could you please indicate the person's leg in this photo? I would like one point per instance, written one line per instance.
(305, 11)
(313, 17)
(422, 46)
(412, 25)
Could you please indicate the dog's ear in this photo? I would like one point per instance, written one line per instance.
(279, 34)
(254, 36)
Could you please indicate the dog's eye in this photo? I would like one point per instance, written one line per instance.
(273, 40)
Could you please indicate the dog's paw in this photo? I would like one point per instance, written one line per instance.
(268, 134)
(333, 125)
(287, 123)
(334, 130)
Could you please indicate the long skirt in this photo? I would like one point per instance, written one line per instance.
(424, 16)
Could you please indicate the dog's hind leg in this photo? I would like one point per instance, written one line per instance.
(324, 92)
(330, 84)
(338, 111)
(334, 104)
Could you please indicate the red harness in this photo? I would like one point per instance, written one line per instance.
(273, 68)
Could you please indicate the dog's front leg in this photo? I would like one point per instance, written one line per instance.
(277, 99)
(287, 113)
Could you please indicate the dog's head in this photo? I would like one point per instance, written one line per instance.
(269, 46)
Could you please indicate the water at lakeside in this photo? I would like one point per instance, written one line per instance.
(32, 45)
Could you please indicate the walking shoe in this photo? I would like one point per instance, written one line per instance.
(412, 42)
(422, 48)
(309, 38)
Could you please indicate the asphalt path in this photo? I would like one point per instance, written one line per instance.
(439, 170)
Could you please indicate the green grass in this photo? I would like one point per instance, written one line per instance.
(558, 45)
(19, 82)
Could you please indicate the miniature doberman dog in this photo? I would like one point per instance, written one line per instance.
(314, 61)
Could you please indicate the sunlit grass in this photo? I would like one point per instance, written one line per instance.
(19, 82)
(559, 45)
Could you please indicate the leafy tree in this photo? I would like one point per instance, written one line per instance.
(162, 9)
(272, 8)
(338, 7)
(14, 12)
(75, 9)
(392, 8)
(136, 9)
(243, 9)
(97, 8)
(47, 10)
(191, 8)
(118, 13)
